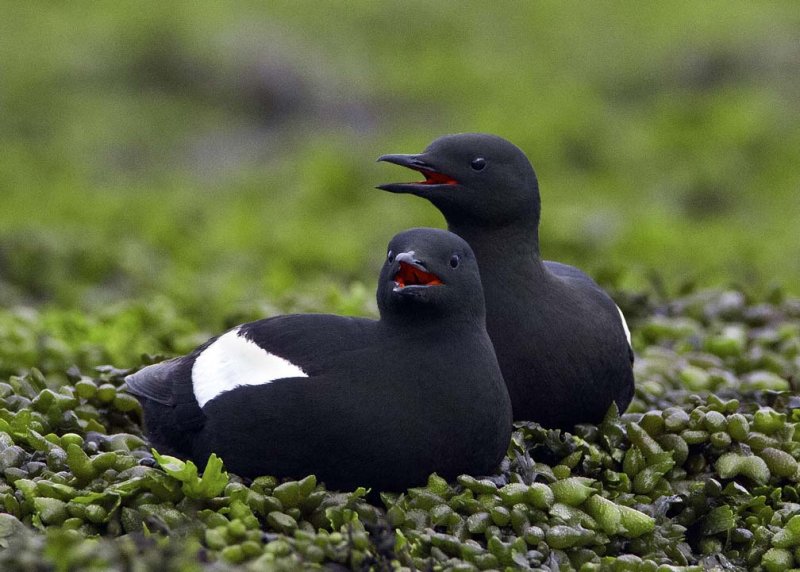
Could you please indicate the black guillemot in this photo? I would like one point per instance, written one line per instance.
(379, 403)
(562, 343)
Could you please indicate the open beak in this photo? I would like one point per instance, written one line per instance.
(433, 177)
(413, 273)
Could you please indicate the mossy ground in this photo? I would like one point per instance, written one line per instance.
(702, 471)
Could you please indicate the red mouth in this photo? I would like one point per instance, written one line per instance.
(408, 275)
(434, 178)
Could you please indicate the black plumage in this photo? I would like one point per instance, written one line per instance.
(380, 403)
(561, 342)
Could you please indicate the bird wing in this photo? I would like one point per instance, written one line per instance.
(572, 274)
(578, 278)
(313, 342)
(251, 354)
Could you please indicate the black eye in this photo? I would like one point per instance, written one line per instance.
(390, 256)
(455, 260)
(478, 163)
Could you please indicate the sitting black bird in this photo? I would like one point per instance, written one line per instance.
(562, 343)
(379, 403)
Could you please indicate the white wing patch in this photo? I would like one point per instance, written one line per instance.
(624, 326)
(232, 361)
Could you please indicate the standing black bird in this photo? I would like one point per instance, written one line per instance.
(562, 343)
(380, 403)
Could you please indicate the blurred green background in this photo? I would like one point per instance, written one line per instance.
(218, 154)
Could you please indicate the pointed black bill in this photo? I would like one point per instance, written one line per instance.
(433, 177)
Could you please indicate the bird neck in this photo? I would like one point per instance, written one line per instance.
(506, 256)
(424, 324)
(518, 242)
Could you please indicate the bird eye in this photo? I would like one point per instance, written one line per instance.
(455, 260)
(478, 163)
(390, 256)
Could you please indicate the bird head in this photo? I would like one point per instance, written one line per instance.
(474, 179)
(429, 272)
